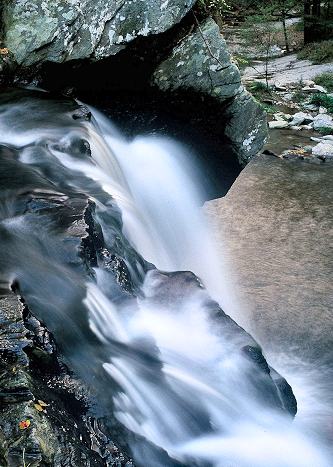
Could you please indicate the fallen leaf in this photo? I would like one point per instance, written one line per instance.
(43, 404)
(4, 51)
(24, 424)
(39, 408)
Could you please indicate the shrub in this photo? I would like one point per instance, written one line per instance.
(323, 100)
(326, 80)
(325, 130)
(268, 108)
(258, 87)
(318, 52)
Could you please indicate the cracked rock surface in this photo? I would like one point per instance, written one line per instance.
(202, 63)
(79, 29)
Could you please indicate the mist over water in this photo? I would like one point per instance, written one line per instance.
(178, 382)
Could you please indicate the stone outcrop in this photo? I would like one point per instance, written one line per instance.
(201, 63)
(193, 58)
(275, 233)
(36, 31)
(275, 230)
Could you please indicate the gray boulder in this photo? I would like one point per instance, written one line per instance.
(322, 121)
(201, 63)
(324, 149)
(301, 117)
(35, 31)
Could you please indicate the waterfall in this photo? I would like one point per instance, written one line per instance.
(176, 382)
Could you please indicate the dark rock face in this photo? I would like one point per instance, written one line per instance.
(60, 432)
(201, 62)
(188, 56)
(52, 236)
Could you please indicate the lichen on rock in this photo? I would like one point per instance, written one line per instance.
(202, 63)
(60, 31)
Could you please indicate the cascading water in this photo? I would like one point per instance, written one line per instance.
(175, 377)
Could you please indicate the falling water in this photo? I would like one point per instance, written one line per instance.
(179, 383)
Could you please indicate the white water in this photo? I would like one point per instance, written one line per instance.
(162, 218)
(182, 384)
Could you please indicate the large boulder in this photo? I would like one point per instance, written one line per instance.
(36, 37)
(275, 233)
(35, 31)
(201, 63)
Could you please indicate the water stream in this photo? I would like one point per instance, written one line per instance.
(158, 357)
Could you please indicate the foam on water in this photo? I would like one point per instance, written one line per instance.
(180, 383)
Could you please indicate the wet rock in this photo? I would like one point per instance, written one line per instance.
(82, 113)
(201, 63)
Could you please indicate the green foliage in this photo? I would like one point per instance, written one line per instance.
(299, 27)
(268, 108)
(318, 52)
(258, 87)
(323, 100)
(326, 80)
(325, 130)
(300, 96)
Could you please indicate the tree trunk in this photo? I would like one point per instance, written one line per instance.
(313, 30)
(286, 39)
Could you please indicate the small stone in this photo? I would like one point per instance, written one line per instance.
(315, 88)
(307, 127)
(288, 96)
(308, 82)
(278, 124)
(279, 87)
(320, 89)
(301, 117)
(323, 149)
(308, 149)
(282, 117)
(311, 107)
(328, 137)
(296, 128)
(323, 110)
